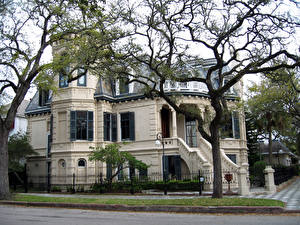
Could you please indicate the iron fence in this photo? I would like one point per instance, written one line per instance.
(88, 183)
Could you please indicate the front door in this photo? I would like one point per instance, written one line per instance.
(191, 132)
(165, 123)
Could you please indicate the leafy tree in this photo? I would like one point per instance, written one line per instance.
(167, 37)
(253, 138)
(28, 29)
(18, 148)
(274, 107)
(118, 160)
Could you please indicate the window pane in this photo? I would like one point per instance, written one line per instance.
(81, 125)
(125, 126)
(81, 80)
(191, 133)
(81, 163)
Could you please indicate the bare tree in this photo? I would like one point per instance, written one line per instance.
(28, 28)
(242, 37)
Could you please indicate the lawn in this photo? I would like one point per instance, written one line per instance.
(180, 202)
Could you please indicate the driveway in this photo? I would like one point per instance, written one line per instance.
(290, 195)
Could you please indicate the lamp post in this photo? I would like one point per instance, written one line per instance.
(160, 141)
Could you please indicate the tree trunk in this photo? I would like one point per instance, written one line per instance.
(4, 182)
(270, 144)
(217, 166)
(215, 142)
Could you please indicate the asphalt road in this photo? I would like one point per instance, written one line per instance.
(12, 215)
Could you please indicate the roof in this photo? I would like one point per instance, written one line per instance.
(34, 107)
(277, 148)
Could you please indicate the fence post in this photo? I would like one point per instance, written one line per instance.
(25, 179)
(101, 183)
(48, 181)
(73, 184)
(131, 185)
(269, 180)
(242, 180)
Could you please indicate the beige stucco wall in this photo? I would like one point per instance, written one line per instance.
(38, 130)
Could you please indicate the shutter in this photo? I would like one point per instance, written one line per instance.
(105, 134)
(114, 131)
(177, 167)
(90, 125)
(131, 126)
(236, 125)
(108, 171)
(73, 126)
(49, 145)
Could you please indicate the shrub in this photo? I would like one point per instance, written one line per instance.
(258, 173)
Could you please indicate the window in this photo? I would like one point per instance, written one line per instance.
(232, 128)
(62, 163)
(110, 126)
(81, 80)
(232, 157)
(63, 77)
(81, 163)
(82, 125)
(124, 85)
(43, 97)
(127, 126)
(172, 166)
(121, 173)
(143, 173)
(191, 132)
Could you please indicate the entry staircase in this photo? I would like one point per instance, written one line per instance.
(201, 159)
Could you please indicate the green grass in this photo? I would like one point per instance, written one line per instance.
(187, 202)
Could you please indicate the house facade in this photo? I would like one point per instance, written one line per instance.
(20, 122)
(91, 112)
(281, 155)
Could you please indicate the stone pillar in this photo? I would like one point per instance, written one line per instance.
(208, 176)
(269, 180)
(174, 123)
(243, 181)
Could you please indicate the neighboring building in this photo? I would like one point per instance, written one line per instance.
(93, 112)
(20, 122)
(281, 155)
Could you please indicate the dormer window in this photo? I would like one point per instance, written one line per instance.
(124, 86)
(44, 96)
(81, 80)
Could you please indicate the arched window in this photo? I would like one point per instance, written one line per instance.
(81, 163)
(62, 163)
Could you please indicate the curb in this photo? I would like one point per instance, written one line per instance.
(160, 208)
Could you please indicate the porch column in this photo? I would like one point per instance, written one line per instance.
(158, 127)
(174, 123)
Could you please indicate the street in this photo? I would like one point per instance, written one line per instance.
(12, 215)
